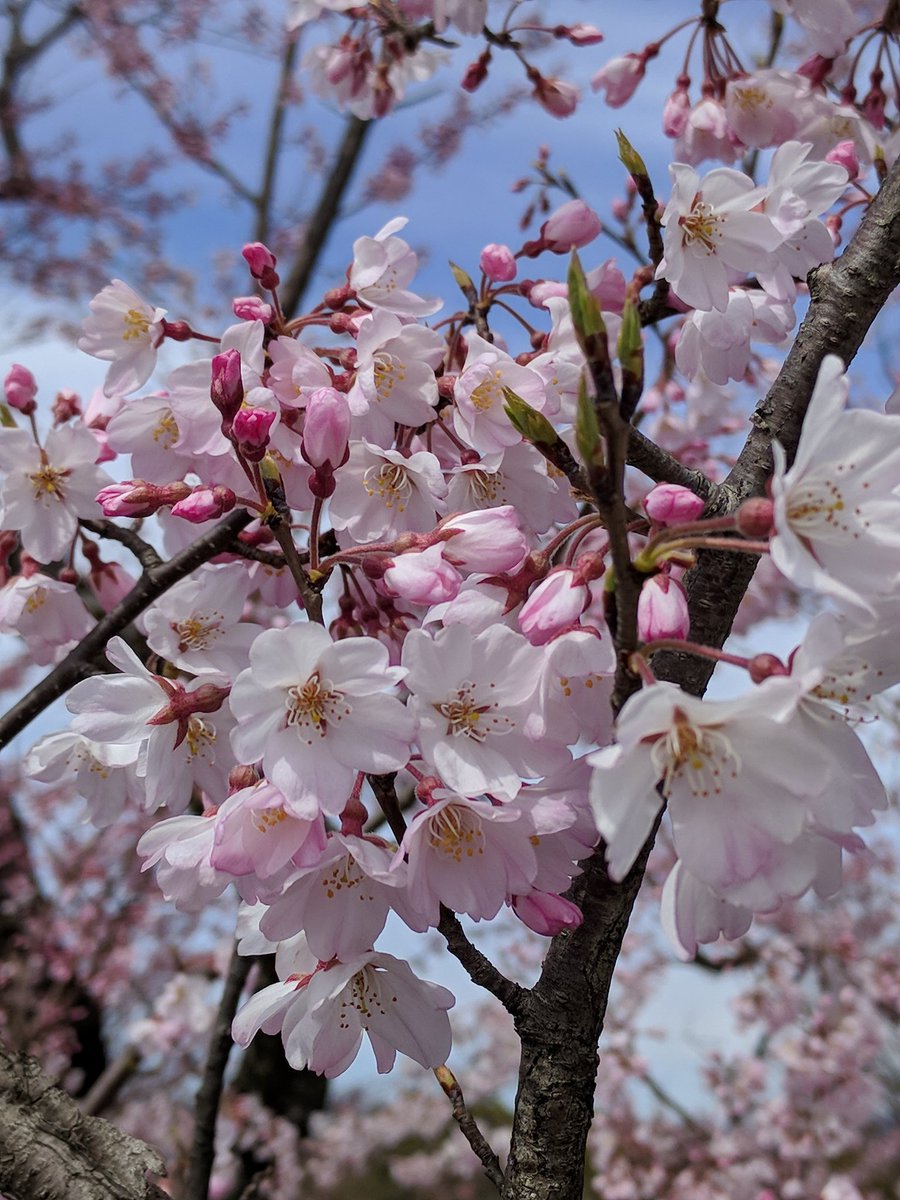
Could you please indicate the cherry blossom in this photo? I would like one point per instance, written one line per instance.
(837, 507)
(125, 331)
(46, 489)
(709, 229)
(316, 712)
(382, 267)
(323, 1015)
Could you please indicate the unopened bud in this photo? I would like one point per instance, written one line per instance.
(252, 308)
(227, 388)
(261, 261)
(764, 666)
(205, 504)
(250, 432)
(20, 387)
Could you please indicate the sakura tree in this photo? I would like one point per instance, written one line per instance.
(410, 605)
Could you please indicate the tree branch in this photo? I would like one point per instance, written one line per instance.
(479, 968)
(143, 551)
(469, 1126)
(319, 224)
(49, 1148)
(150, 586)
(210, 1092)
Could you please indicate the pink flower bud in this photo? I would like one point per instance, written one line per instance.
(675, 113)
(555, 96)
(261, 261)
(137, 498)
(579, 34)
(490, 540)
(250, 432)
(252, 308)
(547, 914)
(21, 388)
(662, 610)
(205, 504)
(619, 78)
(670, 504)
(573, 225)
(554, 606)
(498, 263)
(227, 388)
(326, 429)
(476, 72)
(423, 577)
(844, 154)
(66, 406)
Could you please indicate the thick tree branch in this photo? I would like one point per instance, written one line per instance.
(50, 1149)
(564, 1013)
(319, 224)
(150, 586)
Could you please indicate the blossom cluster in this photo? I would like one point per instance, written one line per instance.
(390, 693)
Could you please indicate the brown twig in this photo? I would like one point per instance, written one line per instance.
(143, 551)
(469, 1126)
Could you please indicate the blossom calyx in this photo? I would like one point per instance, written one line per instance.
(755, 518)
(182, 705)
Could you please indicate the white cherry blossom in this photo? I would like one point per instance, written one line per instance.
(45, 490)
(837, 509)
(316, 712)
(125, 331)
(709, 230)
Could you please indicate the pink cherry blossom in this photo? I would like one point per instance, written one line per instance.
(382, 268)
(573, 225)
(322, 1016)
(316, 712)
(47, 613)
(671, 504)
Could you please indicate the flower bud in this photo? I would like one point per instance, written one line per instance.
(250, 432)
(555, 96)
(671, 504)
(476, 72)
(662, 610)
(137, 498)
(573, 225)
(326, 429)
(423, 577)
(261, 261)
(579, 34)
(764, 666)
(844, 155)
(205, 504)
(252, 308)
(554, 606)
(619, 78)
(498, 263)
(490, 540)
(547, 914)
(21, 388)
(227, 387)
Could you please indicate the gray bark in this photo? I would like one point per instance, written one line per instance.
(49, 1150)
